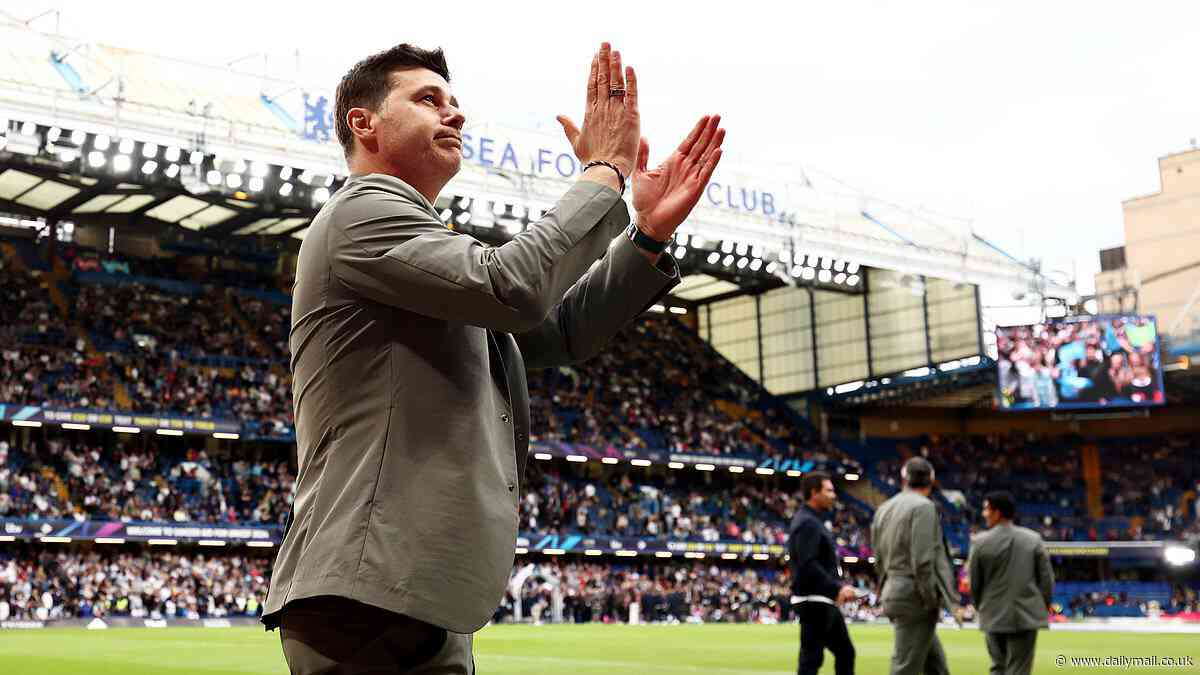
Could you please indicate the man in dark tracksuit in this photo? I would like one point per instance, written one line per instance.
(817, 587)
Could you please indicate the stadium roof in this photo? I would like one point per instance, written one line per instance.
(786, 218)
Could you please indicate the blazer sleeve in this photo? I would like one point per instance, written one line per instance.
(619, 287)
(1045, 572)
(389, 248)
(975, 571)
(926, 545)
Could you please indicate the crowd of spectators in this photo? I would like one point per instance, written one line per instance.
(272, 320)
(664, 593)
(659, 386)
(173, 353)
(181, 347)
(44, 584)
(56, 479)
(136, 316)
(619, 505)
(1144, 483)
(54, 376)
(26, 313)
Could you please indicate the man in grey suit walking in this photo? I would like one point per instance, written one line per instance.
(1012, 583)
(409, 344)
(914, 569)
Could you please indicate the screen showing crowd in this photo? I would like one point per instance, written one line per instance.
(1080, 363)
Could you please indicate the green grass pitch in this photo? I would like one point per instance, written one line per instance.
(578, 650)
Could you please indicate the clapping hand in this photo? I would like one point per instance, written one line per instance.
(663, 197)
(611, 124)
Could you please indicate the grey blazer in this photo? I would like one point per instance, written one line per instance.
(911, 558)
(409, 346)
(1011, 579)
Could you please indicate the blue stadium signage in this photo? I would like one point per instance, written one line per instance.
(107, 419)
(490, 152)
(553, 544)
(113, 531)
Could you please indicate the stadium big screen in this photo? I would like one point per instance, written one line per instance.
(1080, 362)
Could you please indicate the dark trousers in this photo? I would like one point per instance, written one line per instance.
(338, 636)
(822, 627)
(917, 648)
(1012, 653)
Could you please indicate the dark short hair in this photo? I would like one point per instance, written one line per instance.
(918, 472)
(1003, 502)
(813, 481)
(369, 81)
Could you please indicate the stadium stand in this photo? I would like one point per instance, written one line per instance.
(38, 583)
(161, 337)
(666, 506)
(1146, 483)
(56, 479)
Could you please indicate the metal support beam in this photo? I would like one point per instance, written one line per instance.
(979, 319)
(925, 314)
(758, 334)
(867, 322)
(812, 331)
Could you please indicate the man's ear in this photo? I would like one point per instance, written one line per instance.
(362, 124)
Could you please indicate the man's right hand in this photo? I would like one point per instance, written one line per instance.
(611, 124)
(960, 614)
(846, 595)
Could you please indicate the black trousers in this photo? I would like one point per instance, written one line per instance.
(823, 627)
(338, 636)
(1012, 653)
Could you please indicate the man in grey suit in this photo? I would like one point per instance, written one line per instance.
(409, 345)
(1012, 583)
(914, 569)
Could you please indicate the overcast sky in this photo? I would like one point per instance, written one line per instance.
(1030, 120)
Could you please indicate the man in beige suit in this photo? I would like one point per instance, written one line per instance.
(914, 569)
(409, 346)
(1012, 583)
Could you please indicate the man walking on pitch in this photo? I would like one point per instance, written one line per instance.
(817, 587)
(1012, 583)
(915, 572)
(409, 345)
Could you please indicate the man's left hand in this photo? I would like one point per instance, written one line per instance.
(663, 197)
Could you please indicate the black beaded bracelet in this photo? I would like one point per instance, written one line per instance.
(620, 176)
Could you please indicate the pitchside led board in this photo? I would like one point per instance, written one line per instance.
(1080, 362)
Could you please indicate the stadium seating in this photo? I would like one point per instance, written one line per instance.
(193, 347)
(620, 506)
(1143, 487)
(38, 583)
(63, 480)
